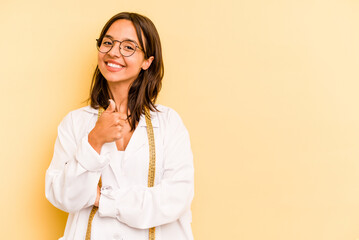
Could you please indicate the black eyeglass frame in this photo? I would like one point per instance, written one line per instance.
(98, 45)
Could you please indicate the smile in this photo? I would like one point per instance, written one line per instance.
(114, 65)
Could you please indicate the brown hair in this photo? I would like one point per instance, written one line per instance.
(144, 90)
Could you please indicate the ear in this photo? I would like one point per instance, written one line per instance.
(147, 63)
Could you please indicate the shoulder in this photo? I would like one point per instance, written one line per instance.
(79, 117)
(84, 113)
(167, 114)
(169, 119)
(174, 132)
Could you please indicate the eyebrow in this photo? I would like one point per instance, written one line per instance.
(126, 39)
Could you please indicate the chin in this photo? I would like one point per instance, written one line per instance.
(111, 78)
(118, 80)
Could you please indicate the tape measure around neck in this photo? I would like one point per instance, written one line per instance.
(151, 172)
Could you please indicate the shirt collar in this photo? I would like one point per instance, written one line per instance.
(141, 123)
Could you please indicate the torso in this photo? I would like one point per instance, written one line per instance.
(122, 143)
(125, 170)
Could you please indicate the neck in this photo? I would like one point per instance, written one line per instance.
(120, 93)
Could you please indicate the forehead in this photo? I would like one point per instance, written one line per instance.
(122, 29)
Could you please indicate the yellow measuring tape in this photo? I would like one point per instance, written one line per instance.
(151, 172)
(152, 164)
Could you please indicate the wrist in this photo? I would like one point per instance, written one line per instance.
(94, 141)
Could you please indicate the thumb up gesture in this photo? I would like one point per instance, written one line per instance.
(111, 126)
(111, 107)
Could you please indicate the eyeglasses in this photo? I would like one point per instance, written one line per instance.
(127, 47)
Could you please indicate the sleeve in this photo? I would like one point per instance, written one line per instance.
(72, 178)
(143, 207)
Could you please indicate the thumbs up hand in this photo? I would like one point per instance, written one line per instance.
(112, 126)
(111, 107)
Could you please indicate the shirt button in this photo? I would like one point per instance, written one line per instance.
(116, 236)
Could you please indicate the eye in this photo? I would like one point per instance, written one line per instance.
(106, 42)
(128, 46)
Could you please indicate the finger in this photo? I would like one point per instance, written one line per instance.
(111, 107)
(122, 116)
(117, 119)
(119, 116)
(118, 122)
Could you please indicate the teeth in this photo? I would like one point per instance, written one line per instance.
(113, 65)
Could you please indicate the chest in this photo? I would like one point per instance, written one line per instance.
(122, 143)
(129, 165)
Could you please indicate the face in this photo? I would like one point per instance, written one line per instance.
(113, 66)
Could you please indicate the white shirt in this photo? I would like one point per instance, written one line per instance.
(127, 208)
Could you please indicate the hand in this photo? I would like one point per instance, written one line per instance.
(111, 126)
(97, 201)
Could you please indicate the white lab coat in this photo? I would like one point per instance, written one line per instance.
(127, 206)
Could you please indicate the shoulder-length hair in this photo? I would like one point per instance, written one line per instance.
(144, 90)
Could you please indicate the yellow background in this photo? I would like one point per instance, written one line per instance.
(268, 90)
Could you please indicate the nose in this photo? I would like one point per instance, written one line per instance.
(115, 50)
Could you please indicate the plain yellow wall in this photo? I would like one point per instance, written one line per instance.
(267, 89)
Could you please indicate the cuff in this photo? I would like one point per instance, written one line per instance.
(89, 158)
(107, 204)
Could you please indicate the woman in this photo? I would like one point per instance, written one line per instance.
(102, 163)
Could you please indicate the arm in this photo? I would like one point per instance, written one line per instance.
(143, 207)
(74, 172)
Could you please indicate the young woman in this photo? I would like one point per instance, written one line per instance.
(123, 167)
